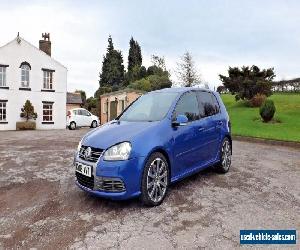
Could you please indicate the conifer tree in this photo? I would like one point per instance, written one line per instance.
(112, 74)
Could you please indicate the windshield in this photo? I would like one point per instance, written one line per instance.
(149, 107)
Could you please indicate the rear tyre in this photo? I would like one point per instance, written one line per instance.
(225, 161)
(155, 180)
(94, 124)
(72, 126)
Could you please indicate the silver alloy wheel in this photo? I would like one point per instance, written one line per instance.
(157, 180)
(94, 124)
(226, 155)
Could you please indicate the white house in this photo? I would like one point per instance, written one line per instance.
(29, 73)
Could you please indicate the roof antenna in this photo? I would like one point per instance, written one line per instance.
(18, 38)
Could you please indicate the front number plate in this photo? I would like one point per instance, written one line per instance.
(83, 169)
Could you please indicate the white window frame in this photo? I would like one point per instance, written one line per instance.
(47, 79)
(3, 107)
(48, 107)
(25, 76)
(2, 76)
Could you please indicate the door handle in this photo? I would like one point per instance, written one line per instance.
(219, 123)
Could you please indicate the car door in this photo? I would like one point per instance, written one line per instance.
(185, 140)
(81, 118)
(76, 117)
(208, 129)
(86, 118)
(218, 122)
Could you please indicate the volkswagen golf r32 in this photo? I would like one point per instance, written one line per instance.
(162, 137)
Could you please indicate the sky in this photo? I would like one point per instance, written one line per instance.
(218, 33)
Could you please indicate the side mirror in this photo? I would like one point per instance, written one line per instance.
(181, 120)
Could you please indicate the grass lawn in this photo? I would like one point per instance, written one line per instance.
(246, 121)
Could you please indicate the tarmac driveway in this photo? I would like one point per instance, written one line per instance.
(41, 207)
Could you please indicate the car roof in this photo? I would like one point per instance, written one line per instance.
(179, 90)
(79, 109)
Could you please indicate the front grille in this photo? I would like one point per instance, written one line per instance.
(110, 184)
(94, 156)
(85, 180)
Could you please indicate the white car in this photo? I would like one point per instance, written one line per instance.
(80, 117)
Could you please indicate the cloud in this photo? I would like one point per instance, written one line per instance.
(218, 33)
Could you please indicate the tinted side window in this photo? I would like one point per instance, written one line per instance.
(206, 105)
(188, 106)
(215, 103)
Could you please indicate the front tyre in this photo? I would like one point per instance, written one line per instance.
(155, 180)
(225, 161)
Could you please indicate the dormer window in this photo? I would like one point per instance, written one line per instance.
(25, 71)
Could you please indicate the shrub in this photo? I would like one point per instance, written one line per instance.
(257, 100)
(267, 110)
(27, 111)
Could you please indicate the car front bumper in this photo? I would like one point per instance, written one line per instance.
(126, 174)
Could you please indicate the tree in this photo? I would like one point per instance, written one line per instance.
(112, 73)
(101, 91)
(83, 95)
(246, 82)
(221, 89)
(134, 55)
(92, 105)
(186, 71)
(156, 76)
(159, 62)
(134, 70)
(152, 82)
(27, 111)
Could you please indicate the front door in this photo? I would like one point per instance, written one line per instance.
(113, 110)
(86, 118)
(185, 137)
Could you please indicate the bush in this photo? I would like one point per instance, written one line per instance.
(27, 111)
(257, 100)
(28, 125)
(267, 110)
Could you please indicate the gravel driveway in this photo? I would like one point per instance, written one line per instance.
(41, 207)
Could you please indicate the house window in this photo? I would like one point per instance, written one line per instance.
(25, 70)
(47, 112)
(105, 107)
(2, 76)
(121, 105)
(2, 111)
(48, 79)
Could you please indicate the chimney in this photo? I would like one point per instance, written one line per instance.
(45, 45)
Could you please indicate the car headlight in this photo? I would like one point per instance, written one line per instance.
(119, 152)
(79, 146)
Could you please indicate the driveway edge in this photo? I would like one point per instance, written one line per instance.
(267, 141)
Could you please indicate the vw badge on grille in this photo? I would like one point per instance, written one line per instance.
(87, 153)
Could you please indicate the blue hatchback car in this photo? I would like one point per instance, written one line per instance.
(162, 137)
